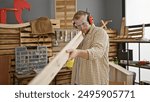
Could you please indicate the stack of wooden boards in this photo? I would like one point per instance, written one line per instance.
(112, 33)
(14, 35)
(64, 10)
(133, 32)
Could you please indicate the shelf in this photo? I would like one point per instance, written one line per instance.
(147, 66)
(129, 41)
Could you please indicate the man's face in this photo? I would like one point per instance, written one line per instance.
(82, 24)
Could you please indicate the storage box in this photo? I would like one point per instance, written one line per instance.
(30, 60)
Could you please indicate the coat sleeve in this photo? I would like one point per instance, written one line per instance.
(99, 45)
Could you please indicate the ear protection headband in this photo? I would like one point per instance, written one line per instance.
(89, 19)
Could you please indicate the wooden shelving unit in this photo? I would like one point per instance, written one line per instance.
(64, 10)
(127, 64)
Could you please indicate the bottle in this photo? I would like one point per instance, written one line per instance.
(69, 63)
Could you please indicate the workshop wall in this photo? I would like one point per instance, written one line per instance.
(100, 9)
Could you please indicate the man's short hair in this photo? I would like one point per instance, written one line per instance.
(80, 13)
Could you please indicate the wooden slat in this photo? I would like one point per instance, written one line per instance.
(69, 2)
(113, 44)
(36, 44)
(4, 70)
(109, 31)
(27, 29)
(135, 29)
(25, 34)
(10, 41)
(63, 82)
(112, 54)
(113, 47)
(7, 52)
(113, 50)
(63, 76)
(30, 40)
(120, 74)
(63, 9)
(8, 36)
(8, 46)
(112, 35)
(134, 34)
(9, 30)
(50, 71)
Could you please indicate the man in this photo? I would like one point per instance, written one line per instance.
(91, 58)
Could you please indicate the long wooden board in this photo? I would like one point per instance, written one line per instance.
(120, 74)
(51, 70)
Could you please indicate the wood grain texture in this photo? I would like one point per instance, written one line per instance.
(51, 70)
(120, 74)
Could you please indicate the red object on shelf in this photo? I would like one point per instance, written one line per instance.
(3, 15)
(143, 62)
(19, 5)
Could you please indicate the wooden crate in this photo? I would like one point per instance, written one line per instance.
(64, 10)
(113, 46)
(14, 35)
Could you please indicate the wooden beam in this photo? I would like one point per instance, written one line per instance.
(51, 70)
(120, 74)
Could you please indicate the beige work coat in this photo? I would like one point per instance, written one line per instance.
(95, 70)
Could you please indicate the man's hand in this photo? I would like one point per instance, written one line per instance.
(77, 53)
(73, 53)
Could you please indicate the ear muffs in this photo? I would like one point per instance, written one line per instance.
(90, 19)
(74, 25)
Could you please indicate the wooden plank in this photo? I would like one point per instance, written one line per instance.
(112, 35)
(12, 46)
(25, 34)
(63, 76)
(113, 50)
(8, 36)
(50, 71)
(10, 41)
(2, 30)
(27, 29)
(4, 70)
(109, 31)
(135, 33)
(7, 52)
(69, 2)
(64, 82)
(135, 30)
(113, 47)
(63, 9)
(112, 54)
(120, 74)
(30, 40)
(113, 44)
(36, 44)
(122, 30)
(113, 65)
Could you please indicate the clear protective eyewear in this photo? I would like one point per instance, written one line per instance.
(79, 26)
